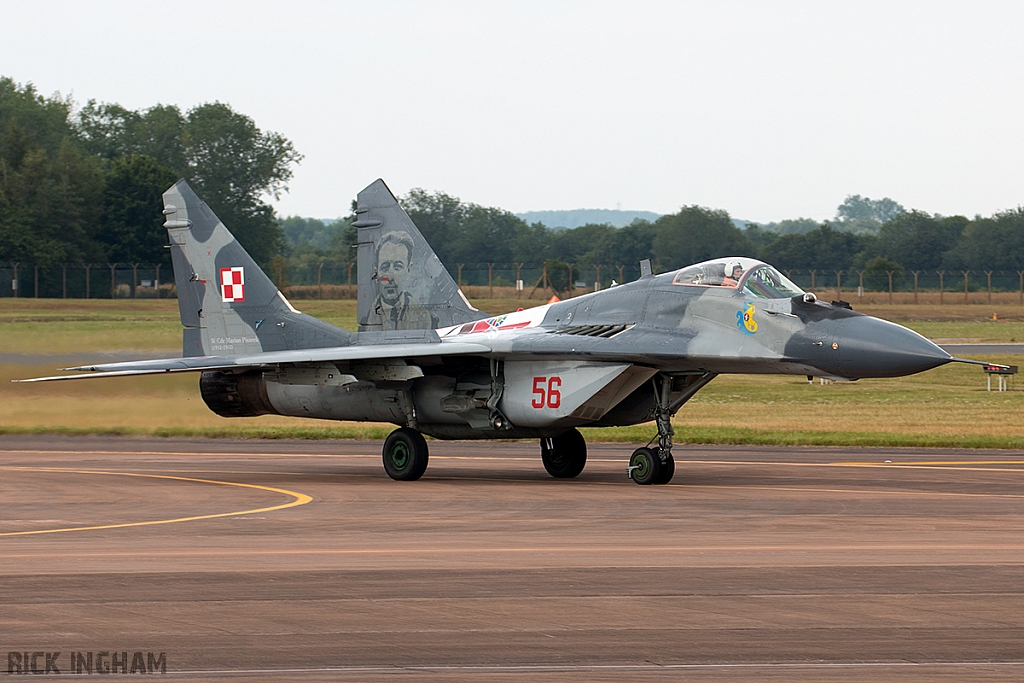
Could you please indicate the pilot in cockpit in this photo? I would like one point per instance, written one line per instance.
(733, 273)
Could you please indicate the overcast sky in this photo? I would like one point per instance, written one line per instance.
(769, 110)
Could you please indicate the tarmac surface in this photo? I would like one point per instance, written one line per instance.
(289, 560)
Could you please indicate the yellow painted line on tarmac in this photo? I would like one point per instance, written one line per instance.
(951, 465)
(911, 463)
(297, 499)
(40, 451)
(870, 492)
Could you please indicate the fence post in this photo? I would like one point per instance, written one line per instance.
(813, 271)
(490, 280)
(1020, 273)
(860, 285)
(890, 285)
(597, 279)
(135, 280)
(319, 286)
(459, 266)
(35, 291)
(112, 278)
(88, 266)
(989, 273)
(942, 288)
(839, 285)
(621, 268)
(544, 276)
(966, 274)
(156, 281)
(915, 285)
(63, 281)
(568, 285)
(519, 278)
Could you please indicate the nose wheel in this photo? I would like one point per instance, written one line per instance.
(646, 466)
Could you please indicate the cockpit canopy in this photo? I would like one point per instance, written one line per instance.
(754, 277)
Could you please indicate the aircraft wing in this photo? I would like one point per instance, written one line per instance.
(201, 363)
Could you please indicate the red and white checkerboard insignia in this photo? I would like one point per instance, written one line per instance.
(232, 285)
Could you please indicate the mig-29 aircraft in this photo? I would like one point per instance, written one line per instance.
(428, 361)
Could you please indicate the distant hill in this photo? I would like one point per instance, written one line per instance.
(557, 220)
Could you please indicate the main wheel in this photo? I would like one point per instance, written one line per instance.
(568, 457)
(666, 470)
(405, 455)
(644, 466)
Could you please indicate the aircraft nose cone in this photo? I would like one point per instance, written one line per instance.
(869, 347)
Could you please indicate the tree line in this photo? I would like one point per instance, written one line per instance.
(84, 185)
(877, 236)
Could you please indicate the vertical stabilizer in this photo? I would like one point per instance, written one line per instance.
(402, 283)
(228, 305)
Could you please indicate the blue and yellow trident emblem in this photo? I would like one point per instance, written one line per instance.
(745, 318)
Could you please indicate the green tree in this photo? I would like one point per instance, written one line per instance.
(131, 228)
(995, 243)
(857, 208)
(823, 248)
(111, 131)
(462, 232)
(531, 243)
(50, 191)
(628, 246)
(582, 246)
(919, 241)
(438, 216)
(229, 161)
(696, 234)
(876, 273)
(796, 226)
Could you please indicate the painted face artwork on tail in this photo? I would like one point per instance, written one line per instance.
(745, 318)
(400, 290)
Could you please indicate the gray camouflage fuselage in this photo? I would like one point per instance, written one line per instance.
(425, 358)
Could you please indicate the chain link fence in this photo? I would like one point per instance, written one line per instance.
(334, 280)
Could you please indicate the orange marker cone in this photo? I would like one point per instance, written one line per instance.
(554, 299)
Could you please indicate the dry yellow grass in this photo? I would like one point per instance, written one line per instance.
(948, 402)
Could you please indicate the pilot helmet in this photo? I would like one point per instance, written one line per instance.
(731, 268)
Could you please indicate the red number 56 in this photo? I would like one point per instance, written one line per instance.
(546, 392)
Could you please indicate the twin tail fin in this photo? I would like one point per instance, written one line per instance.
(228, 305)
(402, 283)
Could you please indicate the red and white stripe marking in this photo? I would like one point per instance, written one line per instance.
(232, 285)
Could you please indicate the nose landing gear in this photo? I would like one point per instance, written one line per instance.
(656, 465)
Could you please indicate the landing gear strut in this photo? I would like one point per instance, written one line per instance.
(564, 455)
(656, 465)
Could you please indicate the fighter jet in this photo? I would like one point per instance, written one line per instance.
(427, 361)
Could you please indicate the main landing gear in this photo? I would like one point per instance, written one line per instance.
(405, 455)
(564, 455)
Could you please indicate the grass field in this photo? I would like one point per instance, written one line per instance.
(944, 407)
